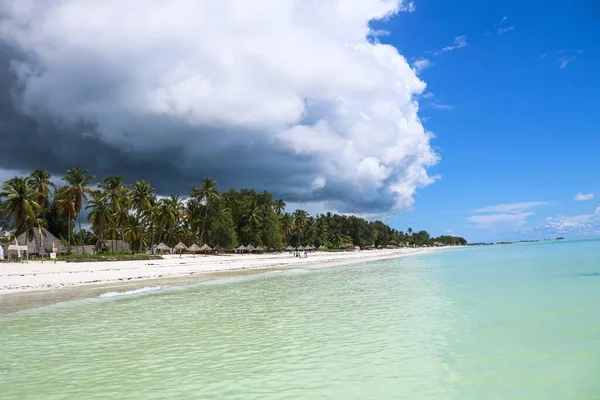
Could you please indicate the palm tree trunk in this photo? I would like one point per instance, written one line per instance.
(152, 236)
(69, 229)
(204, 222)
(171, 234)
(80, 234)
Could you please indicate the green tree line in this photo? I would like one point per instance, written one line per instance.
(134, 213)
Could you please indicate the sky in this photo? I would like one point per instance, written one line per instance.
(474, 118)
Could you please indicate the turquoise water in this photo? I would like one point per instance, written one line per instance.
(502, 322)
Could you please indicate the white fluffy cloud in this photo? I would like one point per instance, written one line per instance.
(505, 216)
(421, 64)
(299, 76)
(583, 197)
(573, 223)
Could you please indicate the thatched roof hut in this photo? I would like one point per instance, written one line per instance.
(35, 243)
(180, 246)
(241, 249)
(205, 248)
(289, 248)
(163, 247)
(194, 248)
(250, 248)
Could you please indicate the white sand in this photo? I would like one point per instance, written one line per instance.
(15, 277)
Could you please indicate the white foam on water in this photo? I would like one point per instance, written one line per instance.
(131, 292)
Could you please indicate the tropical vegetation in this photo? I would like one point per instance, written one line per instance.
(137, 214)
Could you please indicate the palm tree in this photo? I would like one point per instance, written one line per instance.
(321, 230)
(41, 183)
(300, 219)
(279, 206)
(20, 205)
(171, 214)
(100, 216)
(255, 215)
(209, 193)
(410, 233)
(134, 233)
(144, 201)
(78, 190)
(116, 193)
(191, 216)
(287, 225)
(66, 208)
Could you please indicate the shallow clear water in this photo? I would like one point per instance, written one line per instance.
(502, 322)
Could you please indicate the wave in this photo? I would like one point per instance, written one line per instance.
(131, 292)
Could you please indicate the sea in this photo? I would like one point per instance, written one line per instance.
(517, 321)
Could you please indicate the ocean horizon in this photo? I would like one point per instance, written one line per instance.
(518, 321)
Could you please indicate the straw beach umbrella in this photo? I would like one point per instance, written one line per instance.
(194, 248)
(163, 247)
(205, 248)
(180, 247)
(289, 248)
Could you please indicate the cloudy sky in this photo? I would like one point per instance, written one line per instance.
(455, 119)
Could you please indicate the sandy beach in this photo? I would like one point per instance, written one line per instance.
(36, 275)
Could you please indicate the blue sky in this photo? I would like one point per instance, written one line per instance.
(514, 112)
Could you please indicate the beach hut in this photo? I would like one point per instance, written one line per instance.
(205, 248)
(218, 249)
(162, 248)
(41, 244)
(180, 247)
(241, 249)
(250, 248)
(289, 248)
(194, 248)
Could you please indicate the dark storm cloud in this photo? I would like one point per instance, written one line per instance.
(331, 120)
(36, 140)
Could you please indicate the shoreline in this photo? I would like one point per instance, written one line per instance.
(37, 284)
